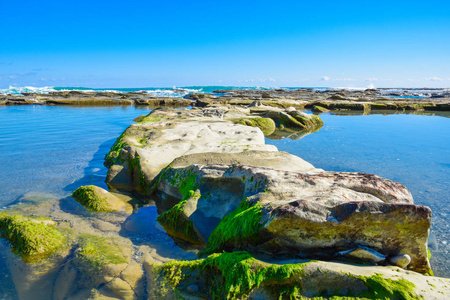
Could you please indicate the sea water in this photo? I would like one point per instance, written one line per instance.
(54, 149)
(411, 149)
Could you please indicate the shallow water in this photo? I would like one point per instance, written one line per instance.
(411, 149)
(54, 150)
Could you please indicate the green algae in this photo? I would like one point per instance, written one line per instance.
(150, 119)
(318, 108)
(135, 168)
(232, 275)
(95, 252)
(235, 275)
(114, 153)
(30, 239)
(266, 125)
(178, 224)
(308, 121)
(240, 225)
(86, 196)
(386, 288)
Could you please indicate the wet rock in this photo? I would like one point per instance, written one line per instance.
(65, 284)
(134, 276)
(120, 288)
(33, 239)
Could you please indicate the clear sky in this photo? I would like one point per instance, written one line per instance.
(133, 43)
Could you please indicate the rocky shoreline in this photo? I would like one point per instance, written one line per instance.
(254, 222)
(317, 100)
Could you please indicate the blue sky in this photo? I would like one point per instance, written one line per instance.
(245, 43)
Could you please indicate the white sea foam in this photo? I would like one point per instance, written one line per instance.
(157, 92)
(27, 89)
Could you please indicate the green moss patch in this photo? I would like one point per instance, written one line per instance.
(385, 288)
(266, 125)
(237, 227)
(114, 154)
(235, 275)
(307, 121)
(177, 224)
(86, 196)
(31, 239)
(95, 252)
(317, 108)
(232, 275)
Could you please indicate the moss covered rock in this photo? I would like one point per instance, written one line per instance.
(96, 199)
(317, 108)
(294, 119)
(32, 239)
(238, 275)
(266, 125)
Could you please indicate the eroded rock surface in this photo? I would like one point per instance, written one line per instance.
(152, 143)
(295, 214)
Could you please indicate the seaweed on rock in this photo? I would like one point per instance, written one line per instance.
(240, 225)
(86, 196)
(237, 274)
(31, 239)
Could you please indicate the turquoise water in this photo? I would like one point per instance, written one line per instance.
(54, 150)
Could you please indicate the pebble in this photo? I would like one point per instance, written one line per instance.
(401, 261)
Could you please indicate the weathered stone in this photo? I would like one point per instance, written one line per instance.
(147, 147)
(310, 214)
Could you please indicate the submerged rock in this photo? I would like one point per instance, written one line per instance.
(96, 199)
(31, 239)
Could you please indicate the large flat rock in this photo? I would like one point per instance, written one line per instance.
(148, 146)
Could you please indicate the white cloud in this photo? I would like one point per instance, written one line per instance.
(345, 79)
(325, 78)
(372, 79)
(434, 78)
(271, 79)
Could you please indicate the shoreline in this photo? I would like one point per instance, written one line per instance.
(334, 100)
